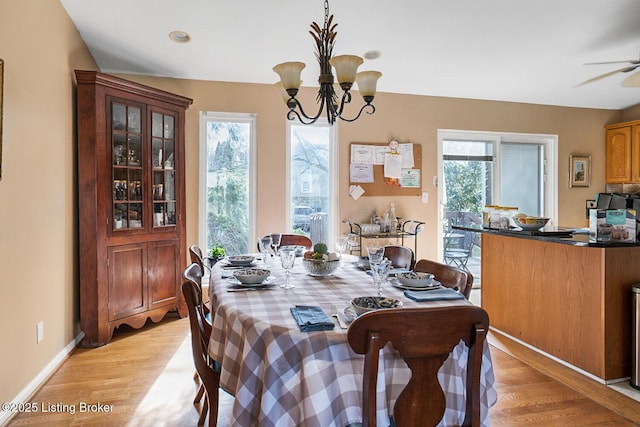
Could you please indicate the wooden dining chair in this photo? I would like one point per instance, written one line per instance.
(207, 370)
(293, 240)
(193, 274)
(423, 337)
(195, 254)
(400, 256)
(448, 275)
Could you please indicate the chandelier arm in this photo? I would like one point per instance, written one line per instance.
(371, 107)
(293, 114)
(302, 114)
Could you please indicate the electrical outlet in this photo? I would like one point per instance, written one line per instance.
(425, 197)
(40, 332)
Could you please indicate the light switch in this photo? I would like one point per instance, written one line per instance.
(425, 197)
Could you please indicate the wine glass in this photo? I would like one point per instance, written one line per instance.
(341, 243)
(376, 253)
(287, 259)
(275, 241)
(265, 246)
(352, 241)
(380, 272)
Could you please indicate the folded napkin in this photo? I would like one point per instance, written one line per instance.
(311, 318)
(434, 295)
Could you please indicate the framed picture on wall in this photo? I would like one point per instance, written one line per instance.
(579, 171)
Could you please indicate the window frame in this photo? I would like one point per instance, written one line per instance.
(334, 173)
(549, 142)
(251, 119)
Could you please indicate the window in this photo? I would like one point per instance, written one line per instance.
(483, 168)
(227, 212)
(312, 178)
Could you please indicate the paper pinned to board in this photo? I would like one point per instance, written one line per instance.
(356, 191)
(360, 173)
(361, 153)
(392, 165)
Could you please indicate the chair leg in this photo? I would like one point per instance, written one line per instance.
(199, 395)
(213, 407)
(204, 410)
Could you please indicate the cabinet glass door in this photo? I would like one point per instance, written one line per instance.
(164, 175)
(127, 172)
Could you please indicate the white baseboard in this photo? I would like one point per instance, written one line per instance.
(43, 376)
(556, 359)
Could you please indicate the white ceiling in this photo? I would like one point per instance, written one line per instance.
(530, 51)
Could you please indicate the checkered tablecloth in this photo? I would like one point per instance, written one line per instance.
(283, 377)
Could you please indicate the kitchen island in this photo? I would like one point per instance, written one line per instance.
(564, 296)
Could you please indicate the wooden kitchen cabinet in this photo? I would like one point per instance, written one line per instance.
(623, 152)
(131, 203)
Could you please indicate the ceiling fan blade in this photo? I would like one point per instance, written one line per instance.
(632, 81)
(610, 73)
(630, 61)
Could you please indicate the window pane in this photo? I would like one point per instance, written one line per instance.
(228, 146)
(522, 177)
(310, 180)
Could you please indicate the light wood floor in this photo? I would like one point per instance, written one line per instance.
(147, 375)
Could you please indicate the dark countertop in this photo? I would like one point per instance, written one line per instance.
(562, 235)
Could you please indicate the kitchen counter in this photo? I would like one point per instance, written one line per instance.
(562, 235)
(566, 297)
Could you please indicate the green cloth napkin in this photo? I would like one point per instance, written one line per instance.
(434, 295)
(311, 318)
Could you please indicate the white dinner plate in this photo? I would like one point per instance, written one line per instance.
(231, 266)
(434, 285)
(266, 281)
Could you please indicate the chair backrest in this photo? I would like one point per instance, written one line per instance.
(200, 334)
(193, 273)
(296, 240)
(424, 346)
(195, 254)
(400, 256)
(449, 276)
(293, 240)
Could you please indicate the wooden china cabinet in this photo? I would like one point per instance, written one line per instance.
(131, 202)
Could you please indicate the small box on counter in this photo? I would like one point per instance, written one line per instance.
(607, 225)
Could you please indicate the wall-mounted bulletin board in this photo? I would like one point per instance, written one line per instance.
(367, 168)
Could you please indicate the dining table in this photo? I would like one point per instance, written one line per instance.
(281, 376)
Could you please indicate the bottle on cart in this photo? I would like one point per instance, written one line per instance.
(374, 216)
(386, 222)
(394, 218)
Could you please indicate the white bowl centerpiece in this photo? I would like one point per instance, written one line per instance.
(320, 262)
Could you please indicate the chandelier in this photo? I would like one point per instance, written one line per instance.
(346, 72)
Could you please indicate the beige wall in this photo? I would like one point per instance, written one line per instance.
(38, 280)
(404, 117)
(38, 262)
